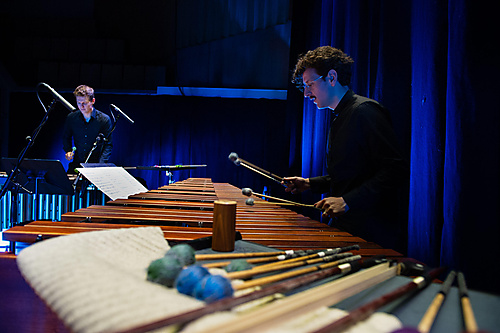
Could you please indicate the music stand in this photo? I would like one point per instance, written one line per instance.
(35, 177)
(40, 176)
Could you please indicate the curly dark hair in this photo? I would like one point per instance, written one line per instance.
(322, 59)
(84, 91)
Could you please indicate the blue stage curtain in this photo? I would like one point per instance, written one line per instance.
(433, 65)
(428, 111)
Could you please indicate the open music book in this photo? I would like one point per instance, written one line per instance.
(115, 182)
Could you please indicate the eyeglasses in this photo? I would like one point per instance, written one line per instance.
(304, 86)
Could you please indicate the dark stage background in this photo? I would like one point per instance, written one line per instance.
(172, 130)
(432, 63)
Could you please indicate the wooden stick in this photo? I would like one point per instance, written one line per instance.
(249, 192)
(279, 277)
(468, 314)
(250, 261)
(216, 256)
(285, 265)
(366, 310)
(254, 168)
(239, 161)
(428, 319)
(282, 257)
(289, 257)
(309, 300)
(282, 202)
(310, 259)
(324, 253)
(230, 302)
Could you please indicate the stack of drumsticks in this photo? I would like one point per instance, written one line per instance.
(351, 275)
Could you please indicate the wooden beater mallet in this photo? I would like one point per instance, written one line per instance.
(239, 161)
(248, 192)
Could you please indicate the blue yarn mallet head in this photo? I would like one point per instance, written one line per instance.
(212, 288)
(189, 277)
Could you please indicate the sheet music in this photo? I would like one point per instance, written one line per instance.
(115, 182)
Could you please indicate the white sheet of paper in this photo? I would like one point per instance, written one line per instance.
(115, 182)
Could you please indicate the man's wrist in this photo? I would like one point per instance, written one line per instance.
(346, 206)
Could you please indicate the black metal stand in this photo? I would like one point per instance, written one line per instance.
(36, 177)
(79, 177)
(11, 180)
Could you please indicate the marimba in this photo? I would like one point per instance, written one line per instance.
(184, 211)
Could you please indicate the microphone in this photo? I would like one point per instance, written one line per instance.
(121, 112)
(59, 98)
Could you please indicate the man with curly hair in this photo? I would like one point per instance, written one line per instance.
(365, 167)
(85, 127)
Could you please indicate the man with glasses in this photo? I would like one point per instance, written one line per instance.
(366, 170)
(83, 129)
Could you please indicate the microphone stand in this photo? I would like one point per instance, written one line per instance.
(99, 137)
(14, 172)
(79, 177)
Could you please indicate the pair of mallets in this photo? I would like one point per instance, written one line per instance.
(250, 201)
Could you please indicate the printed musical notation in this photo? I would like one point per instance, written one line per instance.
(115, 182)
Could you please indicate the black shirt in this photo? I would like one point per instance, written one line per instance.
(366, 168)
(83, 135)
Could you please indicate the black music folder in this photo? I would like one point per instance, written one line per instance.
(40, 176)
